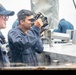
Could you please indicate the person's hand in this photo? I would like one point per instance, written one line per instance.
(38, 23)
(42, 34)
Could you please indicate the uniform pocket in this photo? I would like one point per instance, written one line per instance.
(27, 51)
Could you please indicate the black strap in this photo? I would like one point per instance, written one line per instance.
(2, 38)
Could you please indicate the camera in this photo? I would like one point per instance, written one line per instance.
(43, 18)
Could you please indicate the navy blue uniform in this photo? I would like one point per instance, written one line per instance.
(23, 47)
(4, 59)
(15, 24)
(63, 26)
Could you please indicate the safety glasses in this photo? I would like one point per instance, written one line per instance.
(32, 19)
(4, 17)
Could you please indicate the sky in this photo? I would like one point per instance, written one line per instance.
(66, 10)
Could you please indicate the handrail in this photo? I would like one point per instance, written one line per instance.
(74, 4)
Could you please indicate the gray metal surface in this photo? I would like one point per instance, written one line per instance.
(62, 53)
